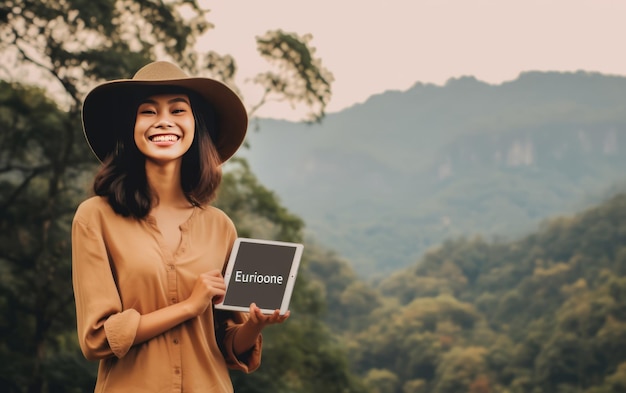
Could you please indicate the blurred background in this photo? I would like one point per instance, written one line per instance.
(456, 171)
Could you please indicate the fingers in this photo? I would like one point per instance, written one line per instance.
(257, 316)
(213, 285)
(217, 299)
(280, 318)
(208, 288)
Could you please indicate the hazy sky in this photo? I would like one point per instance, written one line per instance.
(378, 45)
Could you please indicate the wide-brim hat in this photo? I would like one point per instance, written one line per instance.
(108, 107)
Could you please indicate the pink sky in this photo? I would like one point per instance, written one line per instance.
(374, 46)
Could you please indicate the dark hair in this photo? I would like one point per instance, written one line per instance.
(122, 176)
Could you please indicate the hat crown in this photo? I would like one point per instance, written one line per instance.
(160, 70)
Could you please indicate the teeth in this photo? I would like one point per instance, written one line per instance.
(164, 138)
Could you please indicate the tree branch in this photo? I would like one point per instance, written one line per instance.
(69, 88)
(21, 188)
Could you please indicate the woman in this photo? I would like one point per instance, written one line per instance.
(148, 250)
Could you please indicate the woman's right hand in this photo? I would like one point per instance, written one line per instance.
(209, 287)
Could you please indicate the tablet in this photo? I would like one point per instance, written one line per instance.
(262, 272)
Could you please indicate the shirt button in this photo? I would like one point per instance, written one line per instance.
(174, 300)
(175, 341)
(176, 370)
(171, 267)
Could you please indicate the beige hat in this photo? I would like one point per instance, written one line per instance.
(108, 108)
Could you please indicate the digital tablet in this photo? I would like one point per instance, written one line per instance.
(262, 272)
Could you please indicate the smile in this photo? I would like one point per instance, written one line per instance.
(164, 138)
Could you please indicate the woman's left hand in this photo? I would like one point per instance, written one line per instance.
(249, 332)
(261, 320)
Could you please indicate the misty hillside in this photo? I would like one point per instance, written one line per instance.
(545, 312)
(382, 181)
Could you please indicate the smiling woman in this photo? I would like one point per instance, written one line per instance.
(148, 250)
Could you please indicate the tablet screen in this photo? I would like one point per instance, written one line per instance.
(262, 272)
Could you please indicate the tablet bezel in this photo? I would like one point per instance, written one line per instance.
(291, 279)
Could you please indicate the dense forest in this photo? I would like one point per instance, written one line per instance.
(544, 313)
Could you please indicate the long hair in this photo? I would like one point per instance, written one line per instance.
(122, 177)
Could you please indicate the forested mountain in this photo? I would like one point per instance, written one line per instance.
(544, 313)
(384, 180)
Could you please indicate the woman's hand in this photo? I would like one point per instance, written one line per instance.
(209, 288)
(249, 332)
(260, 320)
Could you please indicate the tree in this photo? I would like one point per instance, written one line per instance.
(65, 48)
(255, 209)
(300, 76)
(381, 381)
(462, 370)
(37, 198)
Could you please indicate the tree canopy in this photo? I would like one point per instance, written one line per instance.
(544, 313)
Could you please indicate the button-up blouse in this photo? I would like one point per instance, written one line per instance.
(122, 269)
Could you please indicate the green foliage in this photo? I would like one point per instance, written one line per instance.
(80, 42)
(349, 301)
(381, 381)
(256, 209)
(459, 369)
(300, 76)
(613, 383)
(39, 164)
(545, 313)
(300, 356)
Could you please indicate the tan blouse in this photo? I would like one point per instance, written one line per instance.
(122, 269)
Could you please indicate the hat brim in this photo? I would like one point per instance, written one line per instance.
(106, 111)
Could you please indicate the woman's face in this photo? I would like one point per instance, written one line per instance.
(164, 127)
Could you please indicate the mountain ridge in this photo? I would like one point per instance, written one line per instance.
(385, 179)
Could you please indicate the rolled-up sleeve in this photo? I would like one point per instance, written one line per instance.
(121, 329)
(228, 322)
(104, 329)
